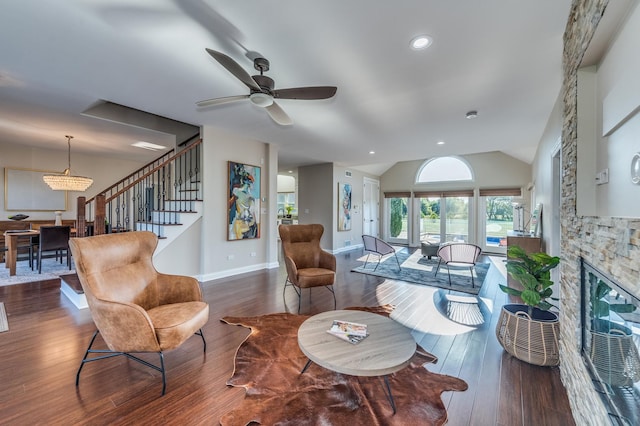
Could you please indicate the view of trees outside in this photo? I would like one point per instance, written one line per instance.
(499, 218)
(399, 218)
(457, 226)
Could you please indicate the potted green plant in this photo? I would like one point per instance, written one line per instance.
(528, 330)
(289, 209)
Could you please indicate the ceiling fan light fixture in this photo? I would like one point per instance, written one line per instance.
(66, 181)
(421, 42)
(261, 99)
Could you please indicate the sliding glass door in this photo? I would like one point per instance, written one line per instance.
(497, 219)
(443, 218)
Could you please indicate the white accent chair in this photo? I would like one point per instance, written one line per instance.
(378, 247)
(458, 254)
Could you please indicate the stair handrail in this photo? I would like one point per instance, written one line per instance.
(129, 176)
(152, 171)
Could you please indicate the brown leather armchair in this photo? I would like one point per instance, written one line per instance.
(135, 308)
(307, 264)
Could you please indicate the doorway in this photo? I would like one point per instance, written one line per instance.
(371, 207)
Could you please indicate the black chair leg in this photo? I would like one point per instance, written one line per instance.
(204, 342)
(84, 359)
(438, 267)
(298, 292)
(449, 273)
(110, 354)
(366, 260)
(334, 296)
(164, 377)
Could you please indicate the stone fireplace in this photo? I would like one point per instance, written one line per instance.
(611, 343)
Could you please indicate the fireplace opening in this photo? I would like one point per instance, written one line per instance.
(611, 342)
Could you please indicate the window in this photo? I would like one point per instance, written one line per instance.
(397, 214)
(444, 169)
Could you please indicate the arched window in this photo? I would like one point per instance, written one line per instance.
(444, 169)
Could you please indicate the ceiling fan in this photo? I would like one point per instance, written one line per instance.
(261, 88)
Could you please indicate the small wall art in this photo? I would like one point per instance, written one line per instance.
(344, 207)
(243, 214)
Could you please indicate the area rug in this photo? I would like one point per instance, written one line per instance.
(420, 270)
(4, 323)
(50, 270)
(268, 365)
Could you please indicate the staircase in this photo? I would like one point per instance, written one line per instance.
(159, 197)
(164, 197)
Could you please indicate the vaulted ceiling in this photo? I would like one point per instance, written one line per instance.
(501, 58)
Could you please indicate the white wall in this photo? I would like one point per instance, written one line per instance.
(618, 100)
(220, 257)
(542, 171)
(347, 240)
(491, 170)
(103, 170)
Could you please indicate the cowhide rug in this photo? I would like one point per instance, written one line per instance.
(268, 365)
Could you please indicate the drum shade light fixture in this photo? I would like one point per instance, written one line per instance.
(66, 181)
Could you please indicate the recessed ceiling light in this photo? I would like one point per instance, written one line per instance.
(372, 152)
(440, 142)
(421, 42)
(148, 145)
(290, 171)
(472, 114)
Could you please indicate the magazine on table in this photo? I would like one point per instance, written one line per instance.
(348, 327)
(351, 332)
(351, 338)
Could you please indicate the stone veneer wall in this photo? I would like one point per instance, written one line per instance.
(610, 244)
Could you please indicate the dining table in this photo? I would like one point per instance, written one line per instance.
(11, 243)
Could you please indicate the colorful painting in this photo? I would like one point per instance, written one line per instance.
(344, 207)
(243, 216)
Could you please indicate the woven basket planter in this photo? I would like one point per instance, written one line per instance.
(614, 354)
(530, 339)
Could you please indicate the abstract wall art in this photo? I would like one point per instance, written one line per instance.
(344, 207)
(243, 214)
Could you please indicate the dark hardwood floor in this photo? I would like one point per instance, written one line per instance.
(47, 337)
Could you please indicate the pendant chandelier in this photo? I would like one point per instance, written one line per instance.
(66, 181)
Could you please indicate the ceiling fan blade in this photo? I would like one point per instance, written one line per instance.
(278, 115)
(234, 68)
(310, 93)
(219, 101)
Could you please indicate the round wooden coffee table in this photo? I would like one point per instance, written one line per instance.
(388, 348)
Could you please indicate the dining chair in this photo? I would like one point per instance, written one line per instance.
(54, 239)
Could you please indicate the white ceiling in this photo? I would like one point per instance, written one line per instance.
(499, 57)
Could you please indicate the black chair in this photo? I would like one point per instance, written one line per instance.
(56, 239)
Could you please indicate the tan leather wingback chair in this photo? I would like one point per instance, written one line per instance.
(307, 264)
(135, 308)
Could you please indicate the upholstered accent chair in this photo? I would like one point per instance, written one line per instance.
(458, 254)
(307, 264)
(379, 248)
(134, 307)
